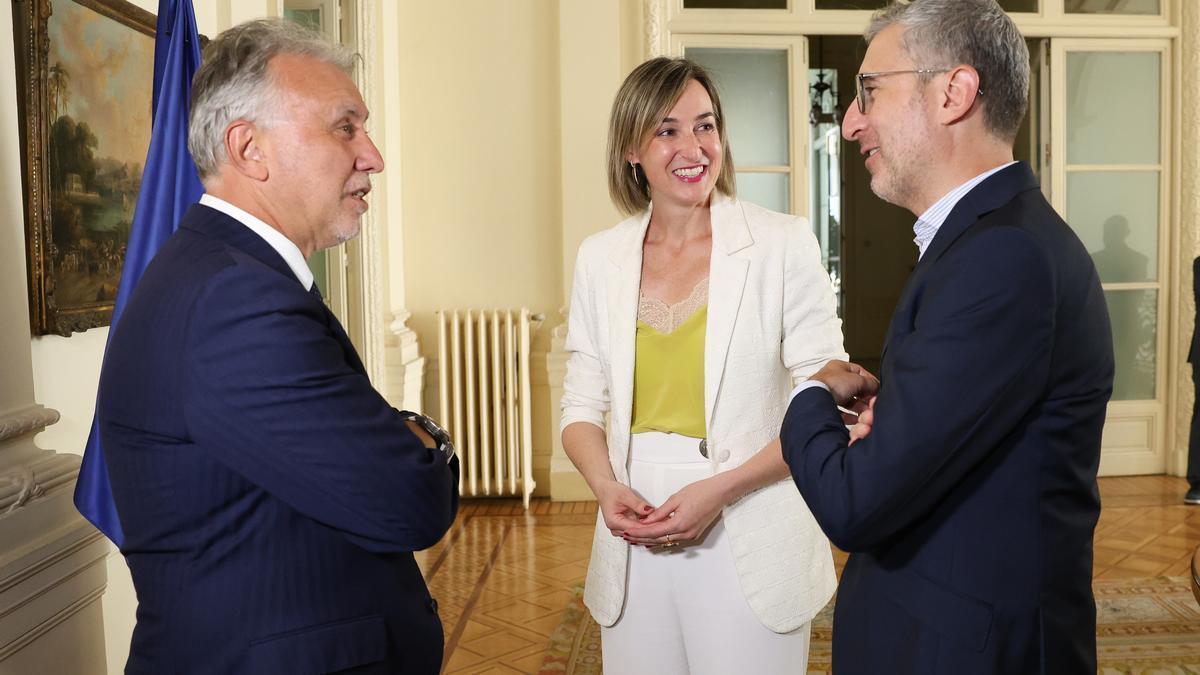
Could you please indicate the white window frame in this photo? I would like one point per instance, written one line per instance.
(803, 18)
(796, 47)
(344, 294)
(1134, 432)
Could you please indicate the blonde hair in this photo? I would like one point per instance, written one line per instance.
(644, 99)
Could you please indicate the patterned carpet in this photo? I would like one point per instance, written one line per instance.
(575, 645)
(1147, 626)
(1144, 627)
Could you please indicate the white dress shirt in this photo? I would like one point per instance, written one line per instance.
(925, 229)
(275, 239)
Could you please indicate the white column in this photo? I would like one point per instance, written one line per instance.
(52, 570)
(391, 349)
(1188, 233)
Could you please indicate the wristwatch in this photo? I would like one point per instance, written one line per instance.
(444, 445)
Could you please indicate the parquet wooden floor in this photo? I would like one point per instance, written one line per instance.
(502, 575)
(1145, 529)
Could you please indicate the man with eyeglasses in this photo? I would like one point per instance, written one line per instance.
(966, 494)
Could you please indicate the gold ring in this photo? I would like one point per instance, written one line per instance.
(668, 540)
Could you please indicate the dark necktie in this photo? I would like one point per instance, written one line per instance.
(340, 333)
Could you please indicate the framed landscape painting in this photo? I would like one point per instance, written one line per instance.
(85, 70)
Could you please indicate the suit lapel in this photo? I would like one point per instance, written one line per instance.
(213, 223)
(622, 285)
(727, 281)
(335, 327)
(995, 191)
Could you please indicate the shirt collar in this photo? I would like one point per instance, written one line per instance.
(275, 239)
(928, 223)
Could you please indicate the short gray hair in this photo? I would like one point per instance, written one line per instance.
(977, 33)
(233, 81)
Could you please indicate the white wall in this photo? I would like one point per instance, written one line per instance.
(504, 113)
(66, 373)
(479, 102)
(16, 390)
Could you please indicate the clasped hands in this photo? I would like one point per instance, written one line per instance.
(682, 519)
(688, 513)
(854, 390)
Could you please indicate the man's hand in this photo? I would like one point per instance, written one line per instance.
(849, 383)
(866, 418)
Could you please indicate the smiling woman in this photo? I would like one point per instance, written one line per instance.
(681, 160)
(690, 322)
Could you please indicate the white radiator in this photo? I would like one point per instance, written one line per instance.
(483, 395)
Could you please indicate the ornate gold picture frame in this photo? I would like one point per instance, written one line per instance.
(85, 70)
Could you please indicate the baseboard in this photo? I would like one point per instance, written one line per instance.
(569, 486)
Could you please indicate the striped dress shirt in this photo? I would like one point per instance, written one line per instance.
(928, 223)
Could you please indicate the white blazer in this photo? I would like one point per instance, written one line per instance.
(772, 321)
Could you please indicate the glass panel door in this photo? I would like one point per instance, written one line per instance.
(851, 4)
(320, 16)
(825, 169)
(1111, 116)
(763, 85)
(337, 270)
(735, 4)
(1007, 5)
(754, 92)
(1151, 7)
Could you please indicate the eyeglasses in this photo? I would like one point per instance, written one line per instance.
(864, 99)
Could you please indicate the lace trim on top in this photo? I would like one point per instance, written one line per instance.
(666, 318)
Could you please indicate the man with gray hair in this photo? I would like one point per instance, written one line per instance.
(271, 499)
(966, 495)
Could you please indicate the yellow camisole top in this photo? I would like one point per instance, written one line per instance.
(668, 371)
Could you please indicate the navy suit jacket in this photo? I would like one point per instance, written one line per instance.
(1194, 350)
(969, 510)
(271, 499)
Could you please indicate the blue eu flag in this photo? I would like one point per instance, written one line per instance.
(169, 186)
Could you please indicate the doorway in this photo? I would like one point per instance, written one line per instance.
(336, 270)
(867, 243)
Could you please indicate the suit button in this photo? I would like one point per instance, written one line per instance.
(723, 456)
(704, 448)
(433, 606)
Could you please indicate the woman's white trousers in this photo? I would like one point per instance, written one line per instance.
(684, 611)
